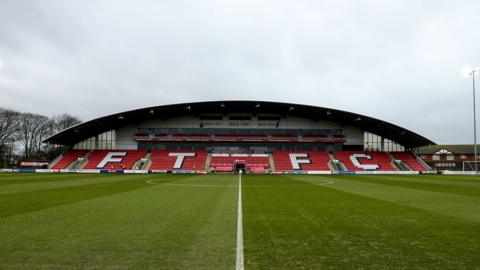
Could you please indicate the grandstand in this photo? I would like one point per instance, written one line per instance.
(227, 136)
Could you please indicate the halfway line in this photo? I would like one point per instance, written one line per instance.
(239, 226)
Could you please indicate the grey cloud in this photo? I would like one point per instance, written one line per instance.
(398, 61)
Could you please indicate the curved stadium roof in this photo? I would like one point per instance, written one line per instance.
(88, 129)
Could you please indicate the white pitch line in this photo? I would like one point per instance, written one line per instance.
(324, 183)
(195, 185)
(239, 226)
(153, 182)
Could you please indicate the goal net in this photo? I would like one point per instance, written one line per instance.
(471, 165)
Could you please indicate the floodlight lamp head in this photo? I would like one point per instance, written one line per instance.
(469, 71)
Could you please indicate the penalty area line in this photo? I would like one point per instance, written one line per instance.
(239, 263)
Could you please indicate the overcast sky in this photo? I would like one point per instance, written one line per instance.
(399, 61)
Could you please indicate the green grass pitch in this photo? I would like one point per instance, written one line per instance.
(86, 221)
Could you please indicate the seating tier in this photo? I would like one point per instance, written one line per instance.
(409, 159)
(68, 158)
(219, 160)
(382, 159)
(318, 160)
(126, 159)
(166, 160)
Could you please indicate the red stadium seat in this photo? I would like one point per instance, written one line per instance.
(252, 160)
(68, 158)
(178, 160)
(301, 160)
(284, 160)
(224, 169)
(114, 159)
(379, 161)
(409, 159)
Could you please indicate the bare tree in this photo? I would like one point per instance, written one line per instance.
(8, 129)
(31, 130)
(8, 124)
(27, 132)
(64, 121)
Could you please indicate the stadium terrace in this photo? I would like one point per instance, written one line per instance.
(229, 136)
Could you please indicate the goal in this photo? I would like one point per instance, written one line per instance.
(471, 165)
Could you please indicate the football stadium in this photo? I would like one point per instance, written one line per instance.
(239, 185)
(239, 135)
(229, 136)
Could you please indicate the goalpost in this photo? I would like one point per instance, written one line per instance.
(471, 165)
